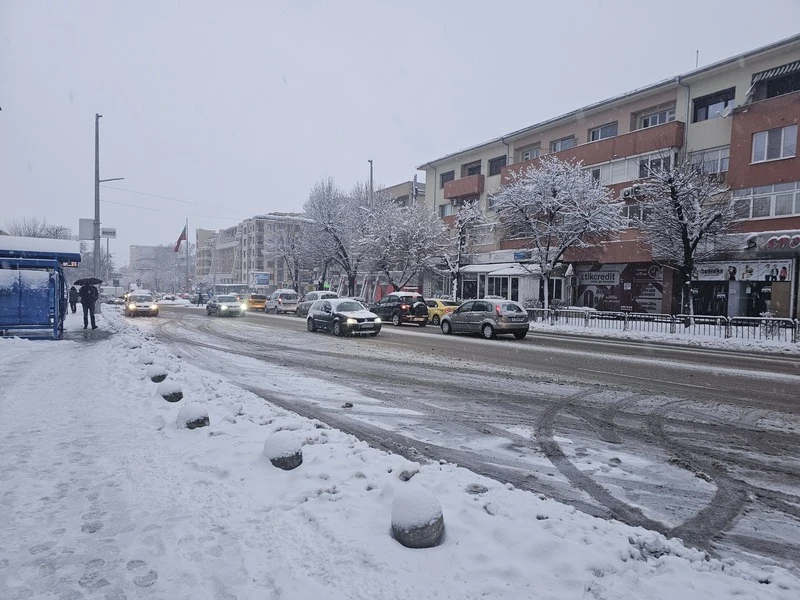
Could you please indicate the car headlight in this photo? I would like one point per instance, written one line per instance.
(377, 319)
(131, 306)
(243, 307)
(351, 321)
(223, 307)
(154, 307)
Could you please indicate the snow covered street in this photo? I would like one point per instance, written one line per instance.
(102, 495)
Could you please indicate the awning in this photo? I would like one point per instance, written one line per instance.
(516, 271)
(777, 71)
(486, 268)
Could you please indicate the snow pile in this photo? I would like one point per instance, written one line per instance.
(417, 520)
(170, 390)
(282, 444)
(192, 415)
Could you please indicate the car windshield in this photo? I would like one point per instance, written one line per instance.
(141, 298)
(257, 297)
(329, 295)
(349, 306)
(288, 296)
(515, 308)
(226, 299)
(411, 299)
(449, 303)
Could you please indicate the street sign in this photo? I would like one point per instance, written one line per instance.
(108, 232)
(85, 229)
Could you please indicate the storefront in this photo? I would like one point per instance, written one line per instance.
(513, 281)
(745, 288)
(626, 287)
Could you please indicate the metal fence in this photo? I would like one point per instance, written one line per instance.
(746, 328)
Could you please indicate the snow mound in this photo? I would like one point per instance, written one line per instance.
(417, 520)
(170, 391)
(157, 374)
(192, 415)
(282, 444)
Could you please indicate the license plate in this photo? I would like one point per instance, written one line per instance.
(517, 319)
(366, 326)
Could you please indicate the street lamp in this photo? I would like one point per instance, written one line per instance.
(370, 182)
(97, 182)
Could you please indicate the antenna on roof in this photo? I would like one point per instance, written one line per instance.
(696, 58)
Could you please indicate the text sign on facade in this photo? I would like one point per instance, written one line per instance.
(598, 278)
(783, 241)
(108, 232)
(85, 229)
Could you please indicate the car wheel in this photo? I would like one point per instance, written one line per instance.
(310, 325)
(488, 331)
(396, 320)
(447, 329)
(436, 320)
(520, 335)
(208, 312)
(337, 328)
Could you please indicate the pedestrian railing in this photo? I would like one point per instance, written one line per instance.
(746, 328)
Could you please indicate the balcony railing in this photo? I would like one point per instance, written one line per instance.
(466, 186)
(641, 141)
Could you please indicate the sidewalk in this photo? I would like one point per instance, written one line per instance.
(104, 496)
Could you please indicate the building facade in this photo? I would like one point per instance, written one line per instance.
(738, 118)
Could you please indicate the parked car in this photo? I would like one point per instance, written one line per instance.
(141, 304)
(438, 308)
(255, 301)
(488, 316)
(402, 307)
(309, 299)
(225, 306)
(342, 316)
(283, 300)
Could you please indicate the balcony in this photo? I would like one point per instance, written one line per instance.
(466, 186)
(641, 141)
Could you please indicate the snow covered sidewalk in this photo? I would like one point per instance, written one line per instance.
(102, 495)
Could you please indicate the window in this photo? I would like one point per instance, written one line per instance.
(530, 153)
(603, 132)
(775, 143)
(714, 160)
(651, 119)
(473, 168)
(596, 174)
(445, 210)
(767, 201)
(562, 144)
(651, 164)
(445, 177)
(778, 81)
(496, 165)
(711, 107)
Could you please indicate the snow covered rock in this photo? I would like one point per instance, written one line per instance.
(417, 520)
(170, 391)
(157, 374)
(192, 416)
(284, 449)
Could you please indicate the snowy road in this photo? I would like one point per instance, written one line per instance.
(699, 444)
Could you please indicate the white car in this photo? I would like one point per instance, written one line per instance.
(226, 306)
(282, 301)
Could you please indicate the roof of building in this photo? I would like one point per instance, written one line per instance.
(664, 84)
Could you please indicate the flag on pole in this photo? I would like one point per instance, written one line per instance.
(182, 238)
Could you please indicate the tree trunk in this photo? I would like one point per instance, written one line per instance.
(351, 284)
(546, 292)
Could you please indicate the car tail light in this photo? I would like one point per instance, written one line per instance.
(280, 301)
(498, 310)
(404, 307)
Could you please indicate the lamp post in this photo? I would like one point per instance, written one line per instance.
(97, 182)
(371, 194)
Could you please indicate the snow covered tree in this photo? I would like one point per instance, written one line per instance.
(462, 237)
(553, 207)
(685, 214)
(33, 227)
(338, 222)
(286, 245)
(402, 242)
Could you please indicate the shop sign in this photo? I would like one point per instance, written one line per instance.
(783, 241)
(598, 278)
(766, 270)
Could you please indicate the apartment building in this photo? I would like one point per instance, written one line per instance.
(239, 257)
(407, 193)
(737, 117)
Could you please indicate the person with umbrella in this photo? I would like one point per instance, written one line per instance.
(73, 299)
(89, 295)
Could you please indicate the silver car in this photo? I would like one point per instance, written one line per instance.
(283, 300)
(489, 317)
(310, 298)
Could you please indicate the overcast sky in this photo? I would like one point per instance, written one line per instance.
(236, 108)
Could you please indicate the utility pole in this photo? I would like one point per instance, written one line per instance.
(97, 182)
(371, 191)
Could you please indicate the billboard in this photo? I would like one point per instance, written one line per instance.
(259, 279)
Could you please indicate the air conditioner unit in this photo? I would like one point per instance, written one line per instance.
(627, 192)
(456, 201)
(636, 190)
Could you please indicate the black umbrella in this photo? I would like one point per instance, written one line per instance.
(88, 281)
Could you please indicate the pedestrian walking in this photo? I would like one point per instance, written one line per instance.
(73, 299)
(88, 294)
(199, 299)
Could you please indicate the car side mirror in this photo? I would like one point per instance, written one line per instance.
(327, 309)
